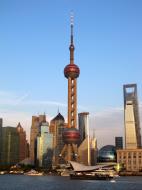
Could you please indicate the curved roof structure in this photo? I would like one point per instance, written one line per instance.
(77, 167)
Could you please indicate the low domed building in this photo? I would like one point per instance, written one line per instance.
(107, 154)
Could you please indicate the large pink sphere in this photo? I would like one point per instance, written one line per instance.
(72, 71)
(71, 136)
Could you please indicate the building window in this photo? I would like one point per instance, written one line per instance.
(124, 154)
(134, 162)
(129, 155)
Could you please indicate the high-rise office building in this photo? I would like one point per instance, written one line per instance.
(131, 117)
(35, 131)
(45, 146)
(118, 143)
(10, 146)
(94, 151)
(42, 119)
(131, 156)
(1, 124)
(56, 128)
(83, 152)
(83, 125)
(22, 142)
(71, 134)
(87, 151)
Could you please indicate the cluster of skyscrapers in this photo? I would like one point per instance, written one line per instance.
(13, 145)
(47, 142)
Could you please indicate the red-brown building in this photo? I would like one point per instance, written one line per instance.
(22, 142)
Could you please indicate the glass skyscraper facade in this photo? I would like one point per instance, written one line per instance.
(35, 131)
(1, 122)
(56, 128)
(83, 125)
(45, 146)
(118, 143)
(10, 146)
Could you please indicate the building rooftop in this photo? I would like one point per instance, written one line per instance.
(58, 117)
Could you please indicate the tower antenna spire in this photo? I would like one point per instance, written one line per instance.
(58, 111)
(71, 23)
(71, 43)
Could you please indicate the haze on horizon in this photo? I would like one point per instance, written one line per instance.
(35, 37)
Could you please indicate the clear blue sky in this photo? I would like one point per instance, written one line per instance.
(34, 41)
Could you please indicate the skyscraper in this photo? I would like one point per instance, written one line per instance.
(131, 156)
(83, 152)
(35, 131)
(118, 143)
(71, 134)
(131, 117)
(22, 142)
(1, 123)
(94, 150)
(10, 146)
(45, 146)
(87, 155)
(83, 125)
(56, 128)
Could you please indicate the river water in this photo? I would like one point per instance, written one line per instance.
(21, 182)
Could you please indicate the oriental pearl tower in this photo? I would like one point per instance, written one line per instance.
(71, 134)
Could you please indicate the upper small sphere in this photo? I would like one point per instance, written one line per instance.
(72, 71)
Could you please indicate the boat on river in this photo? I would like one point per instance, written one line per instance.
(91, 176)
(97, 172)
(34, 173)
(3, 172)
